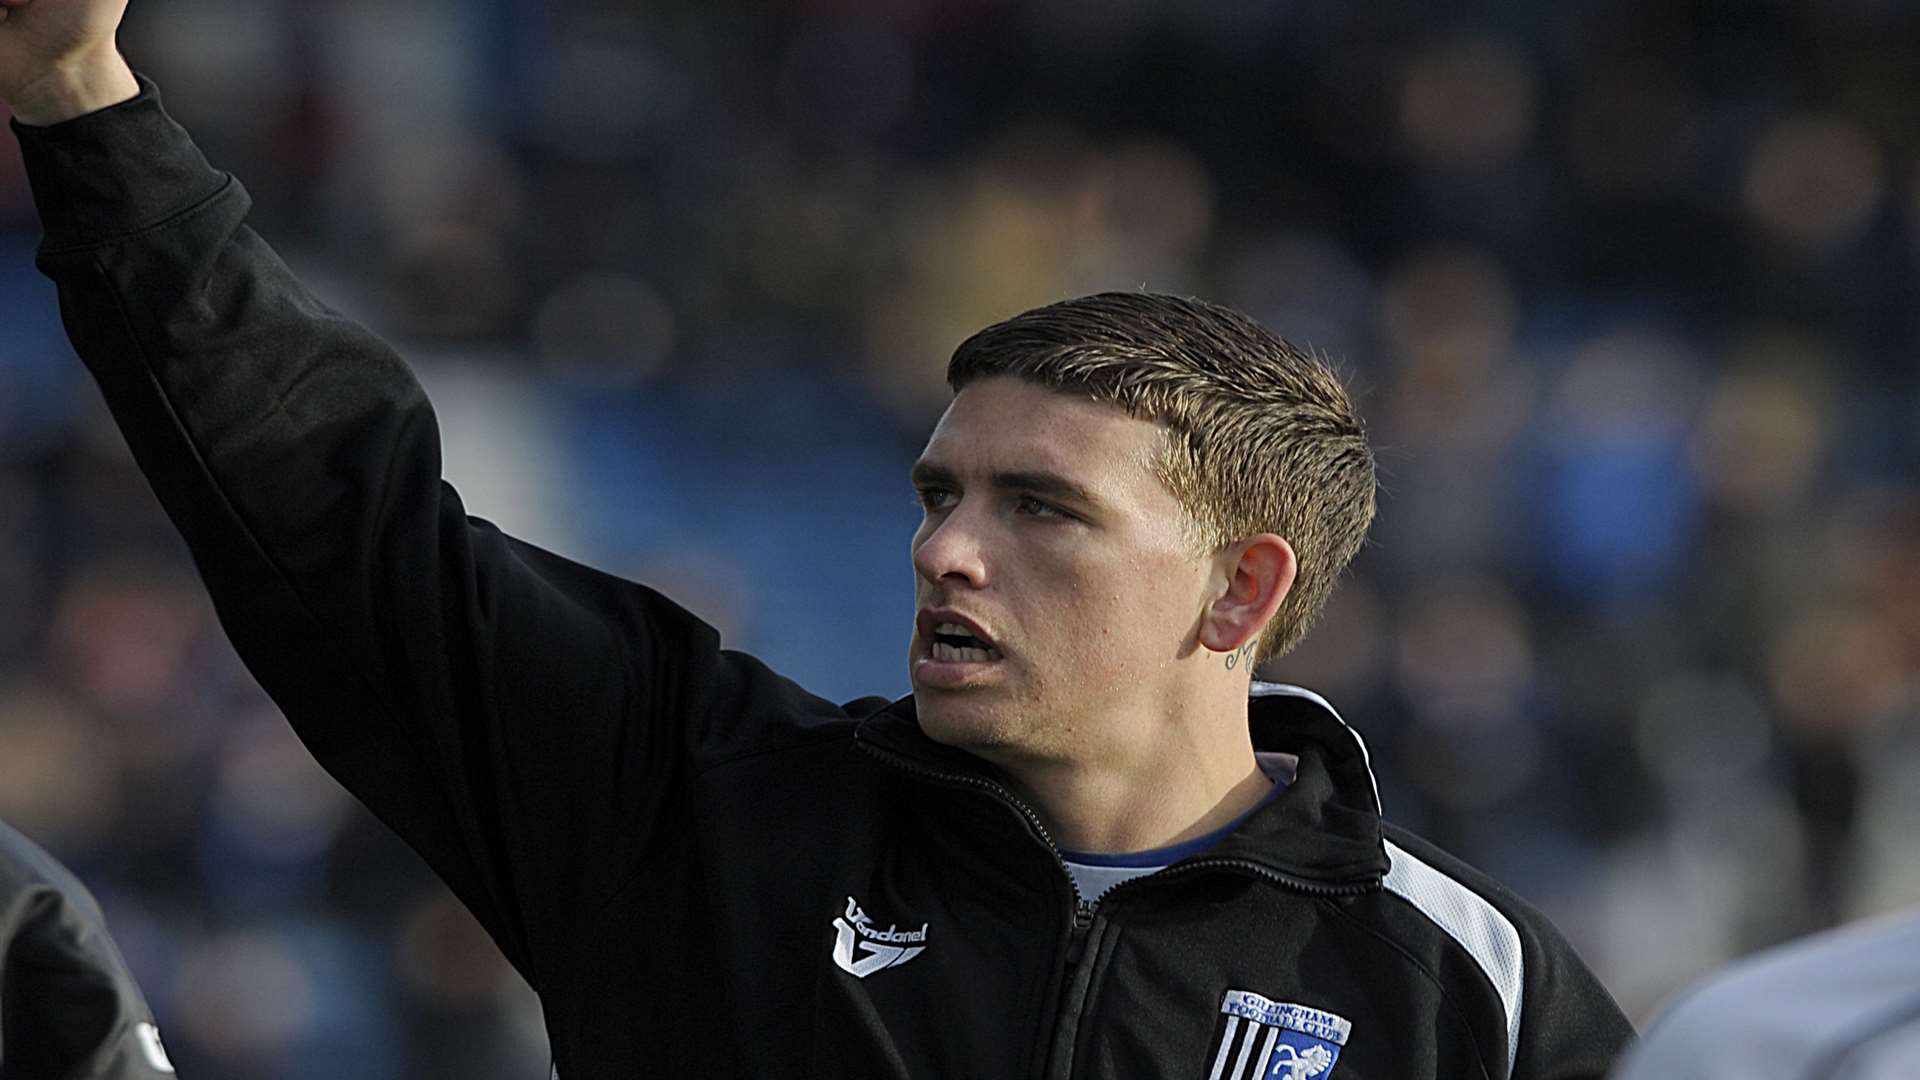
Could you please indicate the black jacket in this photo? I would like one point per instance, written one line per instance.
(69, 1009)
(673, 843)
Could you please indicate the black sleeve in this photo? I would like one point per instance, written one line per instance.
(519, 719)
(1571, 1028)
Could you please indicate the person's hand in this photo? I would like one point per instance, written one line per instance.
(58, 60)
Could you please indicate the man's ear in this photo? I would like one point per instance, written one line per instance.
(1258, 573)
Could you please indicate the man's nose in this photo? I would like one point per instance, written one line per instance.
(951, 549)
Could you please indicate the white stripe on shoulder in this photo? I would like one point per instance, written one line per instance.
(1469, 919)
(1261, 688)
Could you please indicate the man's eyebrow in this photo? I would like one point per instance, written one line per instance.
(1041, 482)
(925, 472)
(1036, 481)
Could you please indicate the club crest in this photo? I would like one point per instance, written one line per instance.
(1261, 1039)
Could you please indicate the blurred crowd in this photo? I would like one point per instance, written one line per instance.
(1627, 291)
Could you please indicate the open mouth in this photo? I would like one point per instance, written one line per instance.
(953, 643)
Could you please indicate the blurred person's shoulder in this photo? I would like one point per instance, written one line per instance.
(25, 868)
(1840, 1002)
(71, 1007)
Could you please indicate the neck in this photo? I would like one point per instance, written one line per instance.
(1190, 779)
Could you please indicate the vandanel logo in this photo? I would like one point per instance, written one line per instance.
(860, 949)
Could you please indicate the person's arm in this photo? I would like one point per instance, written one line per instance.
(1560, 1022)
(518, 718)
(58, 59)
(1571, 1028)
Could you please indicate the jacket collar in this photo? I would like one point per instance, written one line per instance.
(1324, 827)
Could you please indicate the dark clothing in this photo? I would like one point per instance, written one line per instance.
(703, 869)
(69, 1009)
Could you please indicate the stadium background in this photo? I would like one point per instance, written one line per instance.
(1628, 291)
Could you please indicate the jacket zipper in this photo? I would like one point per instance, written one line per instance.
(1075, 983)
(1088, 925)
(1084, 908)
(999, 791)
(1220, 862)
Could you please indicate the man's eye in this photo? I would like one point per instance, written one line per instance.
(933, 498)
(1027, 504)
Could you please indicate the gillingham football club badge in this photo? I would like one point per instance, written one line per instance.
(1260, 1039)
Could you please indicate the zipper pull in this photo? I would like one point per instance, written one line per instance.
(1082, 922)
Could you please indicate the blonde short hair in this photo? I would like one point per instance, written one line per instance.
(1262, 435)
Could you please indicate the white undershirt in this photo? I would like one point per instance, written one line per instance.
(1094, 881)
(1094, 874)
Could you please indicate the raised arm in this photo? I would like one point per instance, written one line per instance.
(518, 718)
(58, 59)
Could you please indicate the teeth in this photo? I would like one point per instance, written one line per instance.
(951, 653)
(952, 628)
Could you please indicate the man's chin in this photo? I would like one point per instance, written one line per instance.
(955, 720)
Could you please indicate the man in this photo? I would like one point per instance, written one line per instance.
(1843, 1003)
(68, 1006)
(1077, 850)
